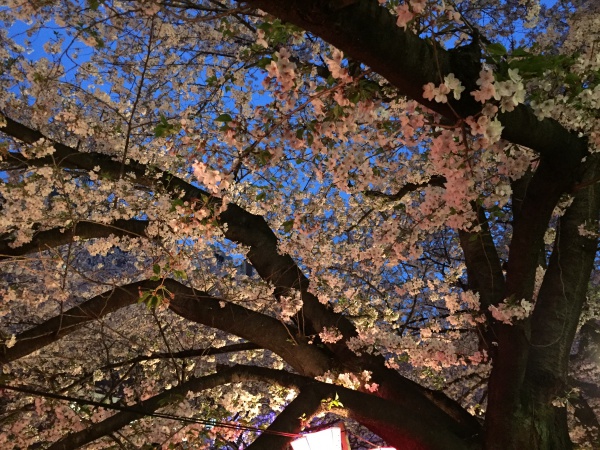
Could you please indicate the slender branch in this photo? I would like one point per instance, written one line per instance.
(197, 306)
(368, 33)
(290, 420)
(192, 353)
(84, 229)
(435, 180)
(55, 328)
(253, 231)
(483, 263)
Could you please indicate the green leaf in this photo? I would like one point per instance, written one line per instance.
(532, 65)
(175, 203)
(288, 225)
(224, 118)
(156, 269)
(180, 274)
(496, 49)
(261, 196)
(164, 128)
(265, 26)
(144, 297)
(519, 52)
(264, 62)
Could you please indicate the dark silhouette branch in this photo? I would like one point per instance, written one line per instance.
(47, 239)
(253, 231)
(403, 428)
(192, 353)
(264, 331)
(368, 33)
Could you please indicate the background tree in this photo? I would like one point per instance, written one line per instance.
(239, 210)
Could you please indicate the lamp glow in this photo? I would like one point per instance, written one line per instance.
(333, 438)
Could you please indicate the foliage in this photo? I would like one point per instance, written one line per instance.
(232, 211)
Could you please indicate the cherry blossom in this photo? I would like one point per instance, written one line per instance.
(221, 210)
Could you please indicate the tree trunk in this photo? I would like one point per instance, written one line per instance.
(525, 409)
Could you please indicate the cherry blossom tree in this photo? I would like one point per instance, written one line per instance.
(279, 214)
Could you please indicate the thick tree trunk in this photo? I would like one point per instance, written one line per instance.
(521, 413)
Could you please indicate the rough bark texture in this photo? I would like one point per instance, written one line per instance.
(530, 357)
(281, 270)
(56, 237)
(368, 33)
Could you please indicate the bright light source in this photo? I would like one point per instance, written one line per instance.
(333, 438)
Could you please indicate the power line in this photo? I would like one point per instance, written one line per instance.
(141, 412)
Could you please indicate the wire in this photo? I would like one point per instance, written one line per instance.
(362, 439)
(141, 412)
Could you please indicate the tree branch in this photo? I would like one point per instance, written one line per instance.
(55, 328)
(402, 428)
(290, 420)
(84, 229)
(435, 180)
(191, 353)
(563, 291)
(253, 231)
(368, 33)
(264, 331)
(483, 264)
(172, 396)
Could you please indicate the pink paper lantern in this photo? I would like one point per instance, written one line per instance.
(333, 438)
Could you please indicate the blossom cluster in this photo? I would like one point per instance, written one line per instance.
(508, 311)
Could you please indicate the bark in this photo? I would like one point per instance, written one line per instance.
(556, 317)
(84, 229)
(281, 270)
(484, 270)
(258, 328)
(199, 307)
(403, 429)
(513, 341)
(368, 33)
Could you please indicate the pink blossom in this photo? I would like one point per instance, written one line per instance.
(404, 15)
(418, 6)
(486, 92)
(429, 91)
